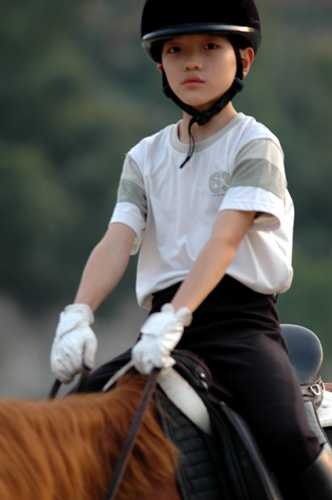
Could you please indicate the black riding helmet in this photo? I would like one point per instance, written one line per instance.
(163, 20)
(237, 19)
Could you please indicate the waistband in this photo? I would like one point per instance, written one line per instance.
(227, 287)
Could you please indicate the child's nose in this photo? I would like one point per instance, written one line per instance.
(193, 61)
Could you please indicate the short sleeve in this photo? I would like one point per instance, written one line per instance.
(131, 205)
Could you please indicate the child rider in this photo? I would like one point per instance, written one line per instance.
(206, 202)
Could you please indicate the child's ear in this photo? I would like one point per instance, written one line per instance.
(247, 56)
(160, 67)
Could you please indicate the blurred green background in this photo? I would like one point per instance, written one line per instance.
(76, 92)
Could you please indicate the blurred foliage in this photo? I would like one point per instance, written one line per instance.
(77, 91)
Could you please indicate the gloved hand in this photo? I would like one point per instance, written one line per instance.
(74, 343)
(160, 334)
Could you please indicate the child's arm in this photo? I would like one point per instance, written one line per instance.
(162, 331)
(214, 259)
(106, 265)
(75, 343)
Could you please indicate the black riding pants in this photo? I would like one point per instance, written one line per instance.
(237, 333)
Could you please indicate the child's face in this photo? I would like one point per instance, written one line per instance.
(199, 68)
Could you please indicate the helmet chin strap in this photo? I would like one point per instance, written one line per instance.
(203, 117)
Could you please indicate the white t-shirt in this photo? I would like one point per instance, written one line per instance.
(173, 210)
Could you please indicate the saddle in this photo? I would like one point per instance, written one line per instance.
(236, 466)
(220, 456)
(306, 355)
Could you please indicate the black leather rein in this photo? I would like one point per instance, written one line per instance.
(135, 426)
(129, 443)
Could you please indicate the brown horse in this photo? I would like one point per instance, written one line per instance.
(67, 449)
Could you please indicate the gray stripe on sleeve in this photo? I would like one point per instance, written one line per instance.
(260, 164)
(261, 174)
(132, 193)
(131, 187)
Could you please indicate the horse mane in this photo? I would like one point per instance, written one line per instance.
(67, 448)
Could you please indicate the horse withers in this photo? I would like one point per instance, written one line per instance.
(66, 449)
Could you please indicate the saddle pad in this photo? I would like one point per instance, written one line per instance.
(197, 476)
(185, 398)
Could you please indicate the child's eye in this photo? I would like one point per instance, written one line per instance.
(211, 46)
(173, 50)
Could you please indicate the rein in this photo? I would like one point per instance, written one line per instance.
(81, 384)
(135, 426)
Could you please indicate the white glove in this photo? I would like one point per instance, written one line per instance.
(160, 334)
(74, 344)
